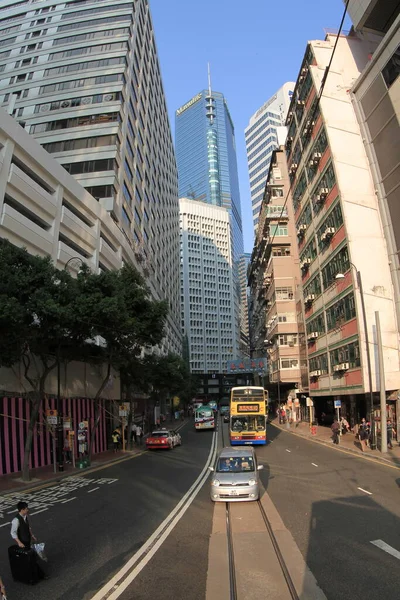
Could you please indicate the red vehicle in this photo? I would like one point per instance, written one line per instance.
(163, 439)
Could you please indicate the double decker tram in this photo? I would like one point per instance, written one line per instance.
(248, 415)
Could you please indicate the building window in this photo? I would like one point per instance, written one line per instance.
(350, 353)
(278, 230)
(317, 324)
(342, 311)
(329, 226)
(284, 293)
(91, 166)
(391, 70)
(289, 363)
(340, 263)
(313, 288)
(319, 363)
(287, 339)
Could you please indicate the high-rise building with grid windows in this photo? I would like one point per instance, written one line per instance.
(83, 78)
(207, 169)
(207, 286)
(264, 133)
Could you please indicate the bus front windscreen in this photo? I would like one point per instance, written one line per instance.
(248, 423)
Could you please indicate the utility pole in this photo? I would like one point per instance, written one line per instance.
(382, 391)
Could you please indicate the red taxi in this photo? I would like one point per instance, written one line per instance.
(163, 439)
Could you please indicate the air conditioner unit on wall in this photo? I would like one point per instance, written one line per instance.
(65, 103)
(313, 335)
(301, 230)
(309, 299)
(87, 100)
(344, 366)
(45, 108)
(315, 373)
(329, 232)
(293, 167)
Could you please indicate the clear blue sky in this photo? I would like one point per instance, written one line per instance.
(253, 47)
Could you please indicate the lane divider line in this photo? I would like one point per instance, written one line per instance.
(126, 575)
(386, 548)
(38, 511)
(365, 491)
(314, 465)
(5, 524)
(93, 490)
(288, 450)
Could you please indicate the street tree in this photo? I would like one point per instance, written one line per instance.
(38, 325)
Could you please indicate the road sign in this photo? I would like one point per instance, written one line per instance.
(337, 403)
(51, 420)
(309, 402)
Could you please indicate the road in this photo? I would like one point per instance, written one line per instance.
(94, 524)
(316, 490)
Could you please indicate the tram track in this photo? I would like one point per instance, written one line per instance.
(233, 586)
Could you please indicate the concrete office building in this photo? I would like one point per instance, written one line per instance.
(340, 231)
(83, 78)
(274, 278)
(264, 133)
(207, 169)
(207, 287)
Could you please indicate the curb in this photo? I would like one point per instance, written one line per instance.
(32, 486)
(377, 459)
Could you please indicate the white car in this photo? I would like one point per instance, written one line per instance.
(163, 438)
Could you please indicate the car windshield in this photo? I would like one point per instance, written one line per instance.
(235, 464)
(159, 434)
(247, 423)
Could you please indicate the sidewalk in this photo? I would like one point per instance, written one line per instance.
(347, 441)
(44, 475)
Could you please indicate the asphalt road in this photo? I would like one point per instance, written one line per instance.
(93, 524)
(332, 521)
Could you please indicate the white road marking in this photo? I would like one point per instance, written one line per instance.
(5, 524)
(116, 586)
(314, 465)
(386, 548)
(39, 511)
(288, 450)
(366, 491)
(69, 500)
(93, 490)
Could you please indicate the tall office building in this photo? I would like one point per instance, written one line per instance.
(207, 169)
(83, 78)
(207, 286)
(265, 132)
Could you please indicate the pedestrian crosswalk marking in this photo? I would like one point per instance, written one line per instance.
(386, 548)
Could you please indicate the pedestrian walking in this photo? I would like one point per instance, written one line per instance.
(335, 431)
(363, 434)
(22, 534)
(134, 433)
(344, 424)
(116, 439)
(389, 430)
(139, 434)
(2, 590)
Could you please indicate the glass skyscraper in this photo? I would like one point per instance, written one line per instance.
(207, 166)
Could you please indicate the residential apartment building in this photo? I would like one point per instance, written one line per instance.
(207, 170)
(244, 305)
(340, 231)
(376, 100)
(83, 78)
(264, 133)
(274, 279)
(207, 287)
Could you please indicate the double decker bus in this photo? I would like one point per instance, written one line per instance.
(248, 415)
(204, 418)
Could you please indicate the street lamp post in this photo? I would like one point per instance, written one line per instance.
(364, 315)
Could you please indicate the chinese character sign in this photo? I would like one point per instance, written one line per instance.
(247, 365)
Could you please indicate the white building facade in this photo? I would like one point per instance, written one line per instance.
(207, 286)
(83, 78)
(265, 132)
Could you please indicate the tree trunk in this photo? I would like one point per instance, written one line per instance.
(96, 409)
(35, 406)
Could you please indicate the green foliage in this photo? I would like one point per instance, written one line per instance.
(170, 375)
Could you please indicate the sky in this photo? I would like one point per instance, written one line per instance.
(253, 47)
